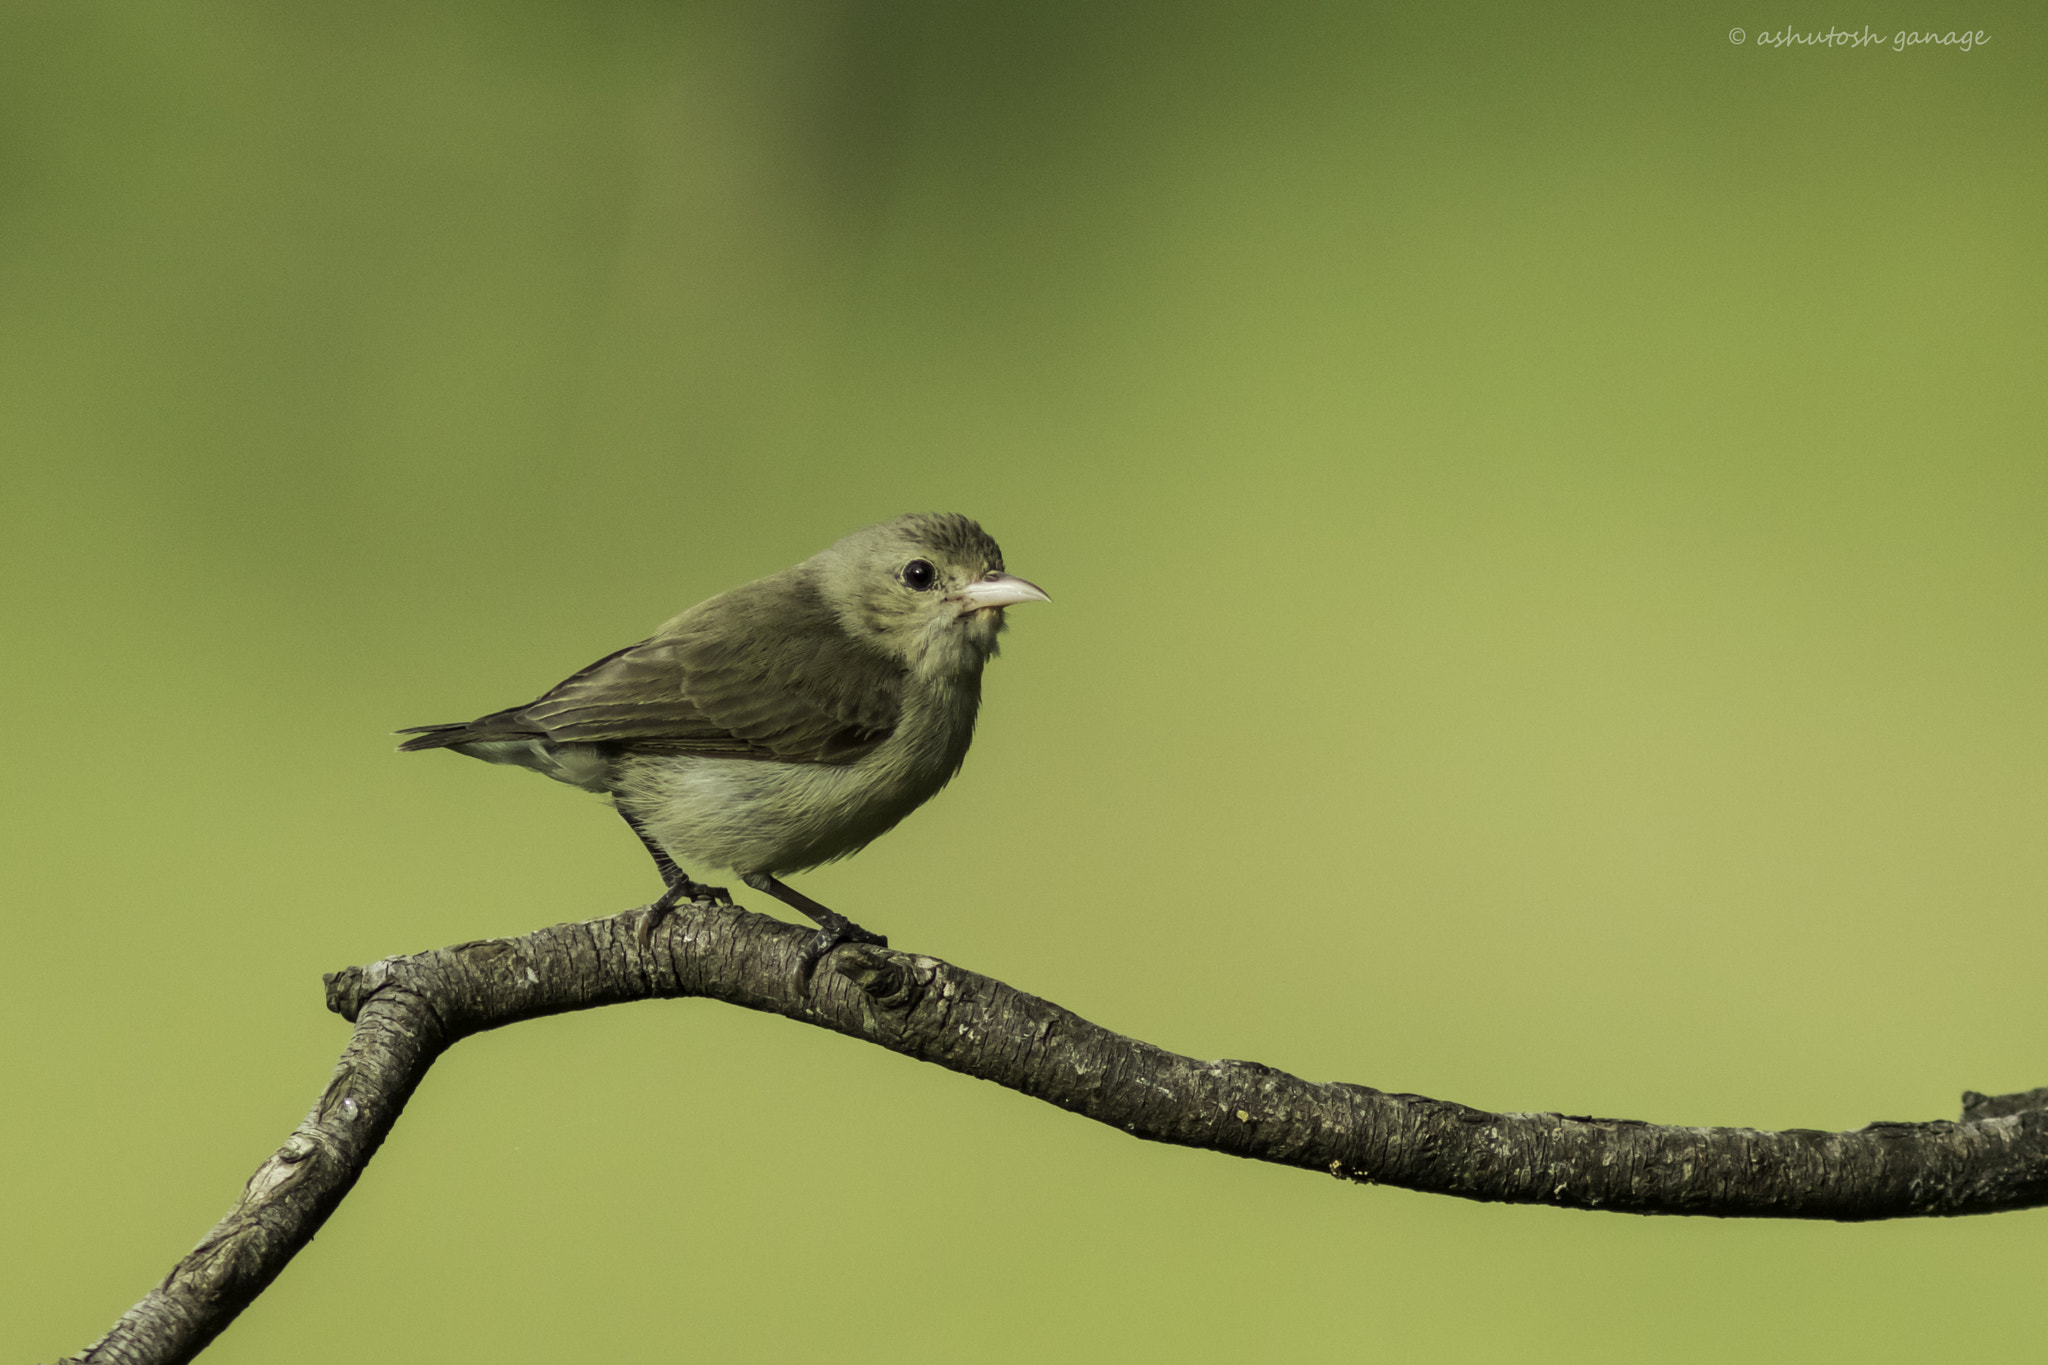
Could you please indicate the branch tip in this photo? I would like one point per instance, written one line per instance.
(1977, 1107)
(344, 991)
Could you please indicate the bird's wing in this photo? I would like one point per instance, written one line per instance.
(739, 680)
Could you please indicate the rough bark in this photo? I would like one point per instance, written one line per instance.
(408, 1010)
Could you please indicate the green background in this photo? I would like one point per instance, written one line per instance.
(1545, 510)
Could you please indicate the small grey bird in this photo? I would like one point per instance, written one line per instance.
(783, 724)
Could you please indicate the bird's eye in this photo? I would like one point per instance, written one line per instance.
(919, 575)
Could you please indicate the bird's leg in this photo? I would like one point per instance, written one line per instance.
(678, 888)
(833, 927)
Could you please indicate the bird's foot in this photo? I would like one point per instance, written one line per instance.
(680, 891)
(834, 929)
(687, 890)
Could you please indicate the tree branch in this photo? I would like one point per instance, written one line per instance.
(408, 1010)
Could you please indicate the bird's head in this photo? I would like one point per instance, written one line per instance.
(928, 588)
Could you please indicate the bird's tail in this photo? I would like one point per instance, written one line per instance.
(498, 739)
(434, 736)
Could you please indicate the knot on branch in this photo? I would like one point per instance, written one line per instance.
(890, 980)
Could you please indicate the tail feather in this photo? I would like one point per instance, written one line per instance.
(498, 725)
(433, 736)
(580, 765)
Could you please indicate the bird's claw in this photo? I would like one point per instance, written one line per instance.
(651, 919)
(687, 890)
(681, 891)
(830, 935)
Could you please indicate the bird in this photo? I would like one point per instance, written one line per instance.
(783, 724)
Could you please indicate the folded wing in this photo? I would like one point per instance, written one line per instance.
(762, 672)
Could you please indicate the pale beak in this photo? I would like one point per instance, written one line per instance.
(1000, 590)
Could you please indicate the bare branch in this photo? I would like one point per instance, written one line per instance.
(408, 1010)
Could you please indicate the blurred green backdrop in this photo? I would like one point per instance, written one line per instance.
(1545, 509)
